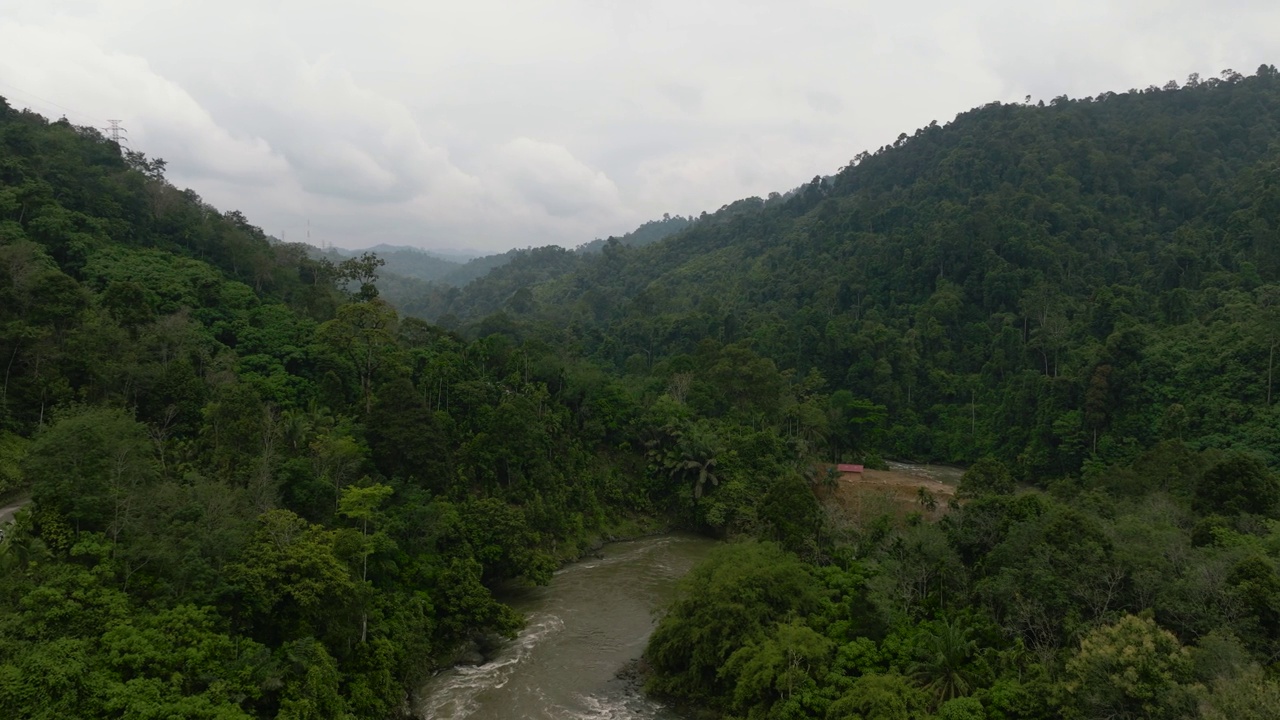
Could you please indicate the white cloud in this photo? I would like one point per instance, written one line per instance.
(549, 176)
(166, 121)
(496, 123)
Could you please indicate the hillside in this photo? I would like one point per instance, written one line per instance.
(259, 490)
(647, 234)
(1046, 283)
(489, 284)
(256, 491)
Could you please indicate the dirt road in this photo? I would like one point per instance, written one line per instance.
(8, 511)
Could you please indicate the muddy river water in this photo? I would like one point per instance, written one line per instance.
(590, 621)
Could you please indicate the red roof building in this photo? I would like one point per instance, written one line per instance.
(845, 468)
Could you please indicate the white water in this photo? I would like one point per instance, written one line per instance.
(587, 624)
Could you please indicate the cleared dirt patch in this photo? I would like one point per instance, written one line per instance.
(860, 498)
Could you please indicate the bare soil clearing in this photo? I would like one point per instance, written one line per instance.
(862, 497)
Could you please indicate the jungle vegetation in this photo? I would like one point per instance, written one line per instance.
(260, 490)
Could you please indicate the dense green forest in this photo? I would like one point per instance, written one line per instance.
(493, 283)
(259, 491)
(1082, 298)
(1058, 285)
(409, 263)
(1079, 298)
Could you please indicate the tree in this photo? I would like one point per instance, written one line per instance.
(361, 504)
(855, 424)
(364, 335)
(1253, 695)
(792, 513)
(732, 599)
(128, 303)
(289, 578)
(1130, 669)
(987, 476)
(696, 455)
(784, 667)
(362, 270)
(92, 466)
(336, 457)
(1238, 484)
(406, 439)
(1097, 401)
(311, 683)
(880, 697)
(943, 669)
(179, 662)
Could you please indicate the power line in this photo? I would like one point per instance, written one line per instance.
(37, 97)
(32, 96)
(114, 129)
(50, 113)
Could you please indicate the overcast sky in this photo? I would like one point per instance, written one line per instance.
(491, 124)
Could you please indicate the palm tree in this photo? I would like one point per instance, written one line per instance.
(943, 669)
(704, 474)
(696, 451)
(19, 548)
(295, 427)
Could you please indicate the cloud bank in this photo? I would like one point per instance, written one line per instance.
(489, 125)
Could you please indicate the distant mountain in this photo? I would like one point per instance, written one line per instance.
(423, 282)
(406, 261)
(453, 255)
(457, 268)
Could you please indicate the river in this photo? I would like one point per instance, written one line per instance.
(587, 623)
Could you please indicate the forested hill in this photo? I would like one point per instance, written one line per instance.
(1050, 283)
(457, 271)
(489, 284)
(255, 490)
(258, 491)
(647, 234)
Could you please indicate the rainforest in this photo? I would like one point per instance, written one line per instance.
(252, 484)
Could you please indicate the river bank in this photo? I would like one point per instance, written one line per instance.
(483, 648)
(584, 627)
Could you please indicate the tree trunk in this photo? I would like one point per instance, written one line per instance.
(1271, 358)
(4, 394)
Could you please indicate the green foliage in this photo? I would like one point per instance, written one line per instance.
(735, 598)
(1239, 484)
(94, 467)
(232, 443)
(1045, 285)
(289, 577)
(792, 515)
(1253, 695)
(880, 697)
(258, 491)
(1132, 669)
(987, 476)
(943, 668)
(781, 669)
(13, 449)
(964, 708)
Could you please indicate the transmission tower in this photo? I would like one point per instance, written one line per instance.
(116, 131)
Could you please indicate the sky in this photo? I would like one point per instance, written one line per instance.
(491, 124)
